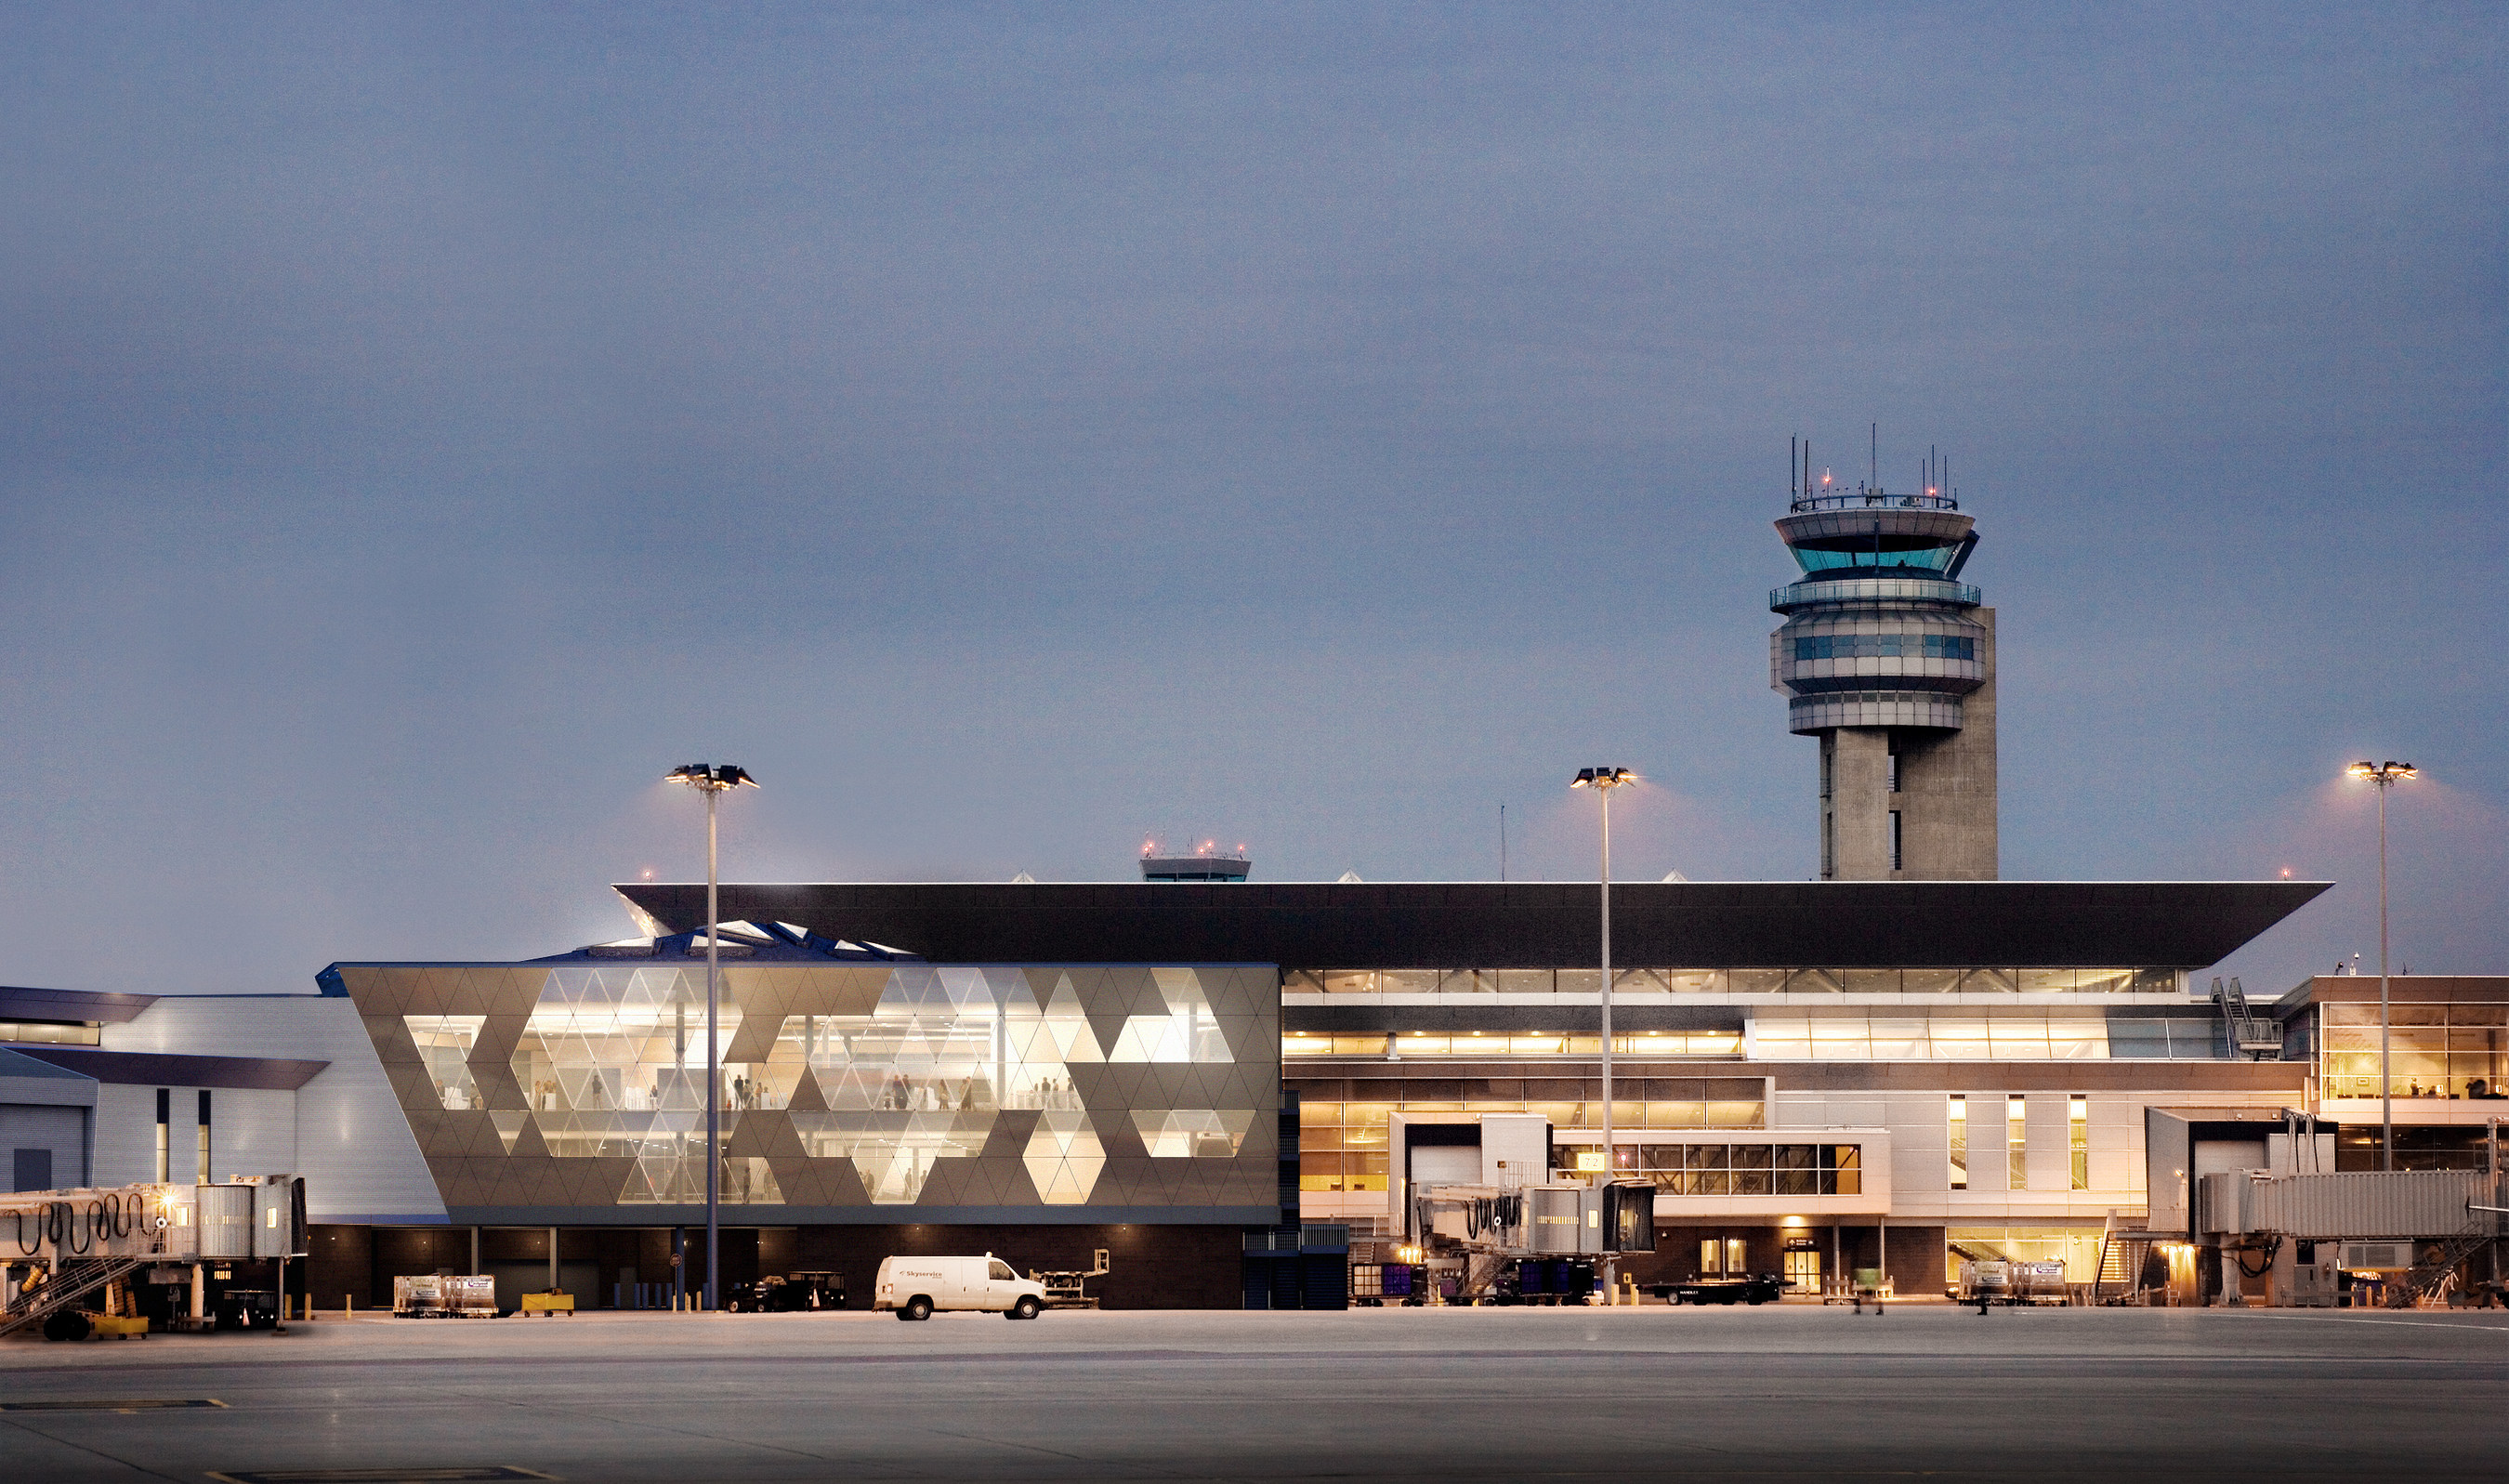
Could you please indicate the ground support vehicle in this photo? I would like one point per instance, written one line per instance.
(1549, 1282)
(1987, 1283)
(1068, 1290)
(1375, 1285)
(789, 1294)
(918, 1287)
(446, 1296)
(1755, 1288)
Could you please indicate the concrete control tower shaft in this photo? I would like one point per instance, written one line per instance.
(1889, 659)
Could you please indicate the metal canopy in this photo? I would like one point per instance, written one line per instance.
(1700, 925)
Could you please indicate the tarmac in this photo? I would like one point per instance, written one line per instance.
(1783, 1392)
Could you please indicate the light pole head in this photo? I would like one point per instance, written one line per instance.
(1601, 778)
(711, 777)
(2384, 773)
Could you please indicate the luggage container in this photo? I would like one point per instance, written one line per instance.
(1985, 1283)
(446, 1296)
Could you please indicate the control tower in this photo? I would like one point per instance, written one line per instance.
(1889, 659)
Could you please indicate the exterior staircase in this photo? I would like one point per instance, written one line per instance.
(71, 1281)
(2252, 1035)
(2122, 1255)
(2424, 1277)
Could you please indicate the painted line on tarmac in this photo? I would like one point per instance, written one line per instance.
(453, 1475)
(127, 1405)
(2328, 1319)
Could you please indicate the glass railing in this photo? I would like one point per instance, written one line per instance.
(1806, 593)
(1869, 500)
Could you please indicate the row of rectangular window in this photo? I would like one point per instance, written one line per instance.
(1758, 1182)
(2465, 1014)
(1723, 982)
(1983, 1038)
(1886, 647)
(1627, 1117)
(2435, 1050)
(1724, 1043)
(1855, 1040)
(2016, 1141)
(1685, 1169)
(1628, 1112)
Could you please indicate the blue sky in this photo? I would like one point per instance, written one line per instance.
(1015, 432)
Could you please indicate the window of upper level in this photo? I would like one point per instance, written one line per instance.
(1886, 647)
(48, 1032)
(1732, 982)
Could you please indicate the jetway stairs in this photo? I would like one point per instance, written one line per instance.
(2483, 1227)
(2123, 1257)
(2251, 1034)
(72, 1281)
(2424, 1277)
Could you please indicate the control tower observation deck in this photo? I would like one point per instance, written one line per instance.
(1889, 659)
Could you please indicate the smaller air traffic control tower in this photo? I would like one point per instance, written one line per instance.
(1889, 659)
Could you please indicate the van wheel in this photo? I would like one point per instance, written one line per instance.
(917, 1307)
(1027, 1307)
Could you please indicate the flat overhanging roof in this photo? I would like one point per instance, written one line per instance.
(1531, 925)
(264, 1073)
(18, 1002)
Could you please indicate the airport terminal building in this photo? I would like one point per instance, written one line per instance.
(1807, 1119)
(1905, 1062)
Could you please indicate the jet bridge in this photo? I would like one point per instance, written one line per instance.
(62, 1246)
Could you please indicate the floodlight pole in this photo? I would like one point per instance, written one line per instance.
(712, 779)
(714, 1099)
(1611, 1269)
(1603, 780)
(2384, 775)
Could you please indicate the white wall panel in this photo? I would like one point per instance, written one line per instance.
(62, 1130)
(1920, 1137)
(253, 1132)
(349, 1140)
(2050, 1152)
(2116, 1145)
(125, 1133)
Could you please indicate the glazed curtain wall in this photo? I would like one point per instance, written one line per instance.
(883, 1084)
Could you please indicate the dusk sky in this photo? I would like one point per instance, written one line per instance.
(1015, 433)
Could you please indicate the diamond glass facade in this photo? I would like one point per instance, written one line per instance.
(851, 1085)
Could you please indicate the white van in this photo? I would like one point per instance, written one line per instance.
(915, 1286)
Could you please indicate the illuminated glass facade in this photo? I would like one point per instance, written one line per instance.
(1728, 982)
(2434, 1051)
(581, 1085)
